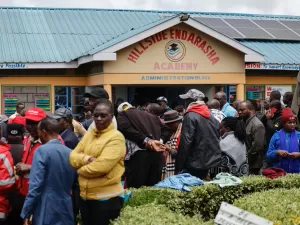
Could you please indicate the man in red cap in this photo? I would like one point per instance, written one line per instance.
(33, 116)
(283, 150)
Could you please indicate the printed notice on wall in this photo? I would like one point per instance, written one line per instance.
(43, 101)
(9, 103)
(231, 215)
(282, 89)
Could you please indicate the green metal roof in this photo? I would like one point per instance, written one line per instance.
(276, 52)
(63, 35)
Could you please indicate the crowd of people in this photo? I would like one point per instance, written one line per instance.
(54, 168)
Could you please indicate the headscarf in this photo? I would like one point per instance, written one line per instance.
(121, 106)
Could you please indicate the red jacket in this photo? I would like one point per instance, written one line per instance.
(7, 179)
(28, 153)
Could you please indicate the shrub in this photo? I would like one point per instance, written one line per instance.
(154, 214)
(206, 200)
(148, 195)
(280, 206)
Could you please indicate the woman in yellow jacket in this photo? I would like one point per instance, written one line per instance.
(99, 160)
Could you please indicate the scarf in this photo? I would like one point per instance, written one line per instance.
(289, 165)
(175, 138)
(169, 168)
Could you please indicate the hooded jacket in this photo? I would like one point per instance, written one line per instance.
(199, 147)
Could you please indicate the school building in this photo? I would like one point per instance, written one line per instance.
(49, 57)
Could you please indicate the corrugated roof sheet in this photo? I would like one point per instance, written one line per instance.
(276, 52)
(128, 35)
(62, 35)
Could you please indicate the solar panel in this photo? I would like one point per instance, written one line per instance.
(255, 33)
(229, 32)
(248, 29)
(254, 29)
(277, 29)
(269, 24)
(220, 26)
(294, 25)
(241, 23)
(212, 22)
(283, 34)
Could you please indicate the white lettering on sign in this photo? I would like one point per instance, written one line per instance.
(259, 66)
(231, 215)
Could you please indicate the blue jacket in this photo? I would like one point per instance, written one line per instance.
(51, 179)
(70, 139)
(274, 146)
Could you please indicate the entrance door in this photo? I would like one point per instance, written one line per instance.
(148, 94)
(173, 96)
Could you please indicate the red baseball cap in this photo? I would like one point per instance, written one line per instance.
(35, 114)
(18, 120)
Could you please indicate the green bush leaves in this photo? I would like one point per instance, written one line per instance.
(154, 215)
(205, 200)
(280, 206)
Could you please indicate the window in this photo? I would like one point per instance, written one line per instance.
(70, 97)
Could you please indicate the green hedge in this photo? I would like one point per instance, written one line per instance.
(154, 215)
(206, 200)
(280, 206)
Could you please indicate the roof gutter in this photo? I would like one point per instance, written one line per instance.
(97, 57)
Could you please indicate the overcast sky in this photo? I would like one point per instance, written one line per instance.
(285, 7)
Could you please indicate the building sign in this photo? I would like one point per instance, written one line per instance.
(174, 78)
(43, 101)
(9, 102)
(260, 66)
(13, 66)
(282, 89)
(175, 49)
(175, 66)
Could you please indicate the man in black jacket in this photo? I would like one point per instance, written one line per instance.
(272, 121)
(199, 148)
(144, 133)
(255, 137)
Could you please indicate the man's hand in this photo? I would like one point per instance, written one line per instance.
(167, 148)
(22, 169)
(88, 159)
(294, 155)
(282, 153)
(92, 159)
(27, 222)
(156, 146)
(269, 115)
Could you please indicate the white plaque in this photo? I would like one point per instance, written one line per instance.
(231, 215)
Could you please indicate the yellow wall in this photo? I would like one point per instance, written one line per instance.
(265, 80)
(197, 59)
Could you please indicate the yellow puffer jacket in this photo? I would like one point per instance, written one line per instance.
(100, 179)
